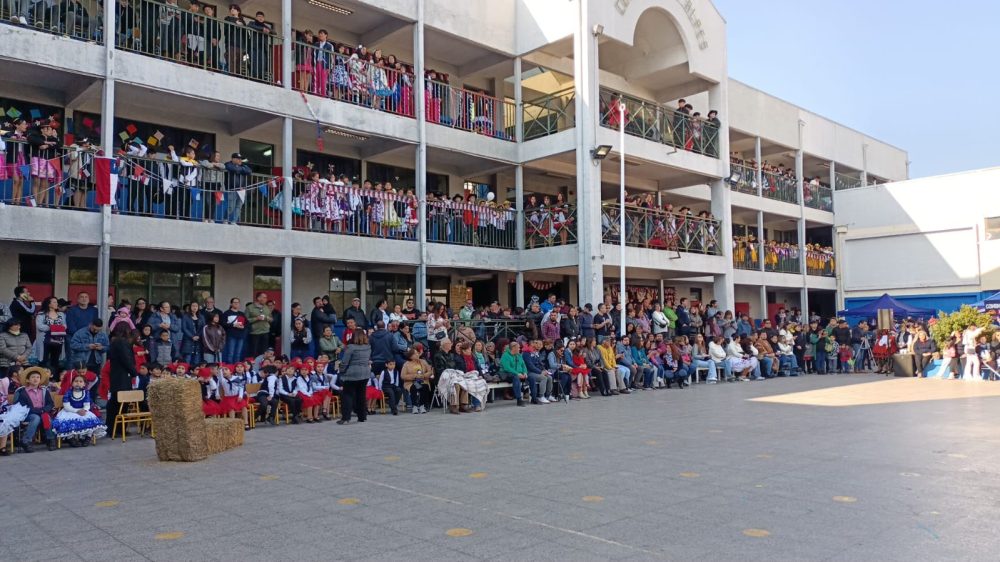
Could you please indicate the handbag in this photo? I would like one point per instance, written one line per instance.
(57, 334)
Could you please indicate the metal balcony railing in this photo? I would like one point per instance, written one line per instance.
(818, 196)
(69, 18)
(780, 187)
(847, 181)
(554, 225)
(780, 258)
(821, 262)
(745, 255)
(237, 45)
(743, 178)
(652, 121)
(334, 208)
(470, 111)
(652, 228)
(472, 224)
(549, 114)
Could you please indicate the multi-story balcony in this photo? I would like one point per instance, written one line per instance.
(652, 121)
(661, 230)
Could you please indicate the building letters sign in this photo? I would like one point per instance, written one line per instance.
(689, 10)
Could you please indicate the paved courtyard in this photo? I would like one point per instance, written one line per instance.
(703, 473)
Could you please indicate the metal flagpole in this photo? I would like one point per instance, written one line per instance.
(621, 218)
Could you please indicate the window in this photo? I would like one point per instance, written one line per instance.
(82, 271)
(151, 134)
(161, 281)
(266, 279)
(392, 287)
(36, 270)
(326, 163)
(259, 156)
(344, 286)
(405, 178)
(993, 228)
(437, 289)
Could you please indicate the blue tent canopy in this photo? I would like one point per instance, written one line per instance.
(871, 309)
(991, 302)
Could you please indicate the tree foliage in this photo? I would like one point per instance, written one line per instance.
(959, 320)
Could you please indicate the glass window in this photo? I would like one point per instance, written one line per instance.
(131, 276)
(177, 283)
(166, 278)
(266, 279)
(36, 269)
(82, 271)
(993, 228)
(392, 287)
(259, 155)
(344, 286)
(327, 163)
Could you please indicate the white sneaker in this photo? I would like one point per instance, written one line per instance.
(543, 400)
(423, 409)
(566, 398)
(415, 410)
(22, 20)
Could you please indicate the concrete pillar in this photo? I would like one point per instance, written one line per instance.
(801, 234)
(288, 41)
(108, 143)
(287, 164)
(763, 301)
(503, 292)
(722, 209)
(833, 175)
(518, 102)
(759, 172)
(286, 305)
(760, 240)
(519, 205)
(421, 157)
(590, 266)
(518, 289)
(864, 165)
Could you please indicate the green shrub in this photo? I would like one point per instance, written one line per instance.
(959, 320)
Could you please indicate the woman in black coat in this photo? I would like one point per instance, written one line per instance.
(122, 367)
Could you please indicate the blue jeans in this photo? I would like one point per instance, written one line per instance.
(648, 376)
(34, 421)
(517, 383)
(727, 370)
(765, 369)
(821, 361)
(234, 207)
(713, 372)
(233, 350)
(790, 363)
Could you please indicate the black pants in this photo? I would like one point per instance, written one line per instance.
(392, 394)
(353, 399)
(421, 396)
(266, 406)
(601, 376)
(51, 361)
(922, 362)
(294, 404)
(257, 344)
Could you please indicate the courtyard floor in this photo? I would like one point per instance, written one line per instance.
(867, 472)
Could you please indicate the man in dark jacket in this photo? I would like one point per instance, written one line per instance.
(319, 319)
(569, 326)
(357, 313)
(842, 334)
(381, 342)
(683, 319)
(586, 321)
(237, 179)
(23, 308)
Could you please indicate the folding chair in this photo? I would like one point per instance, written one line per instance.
(134, 415)
(251, 392)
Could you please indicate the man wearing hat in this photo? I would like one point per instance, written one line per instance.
(237, 180)
(14, 346)
(80, 171)
(356, 313)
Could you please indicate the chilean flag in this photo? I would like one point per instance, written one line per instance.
(106, 180)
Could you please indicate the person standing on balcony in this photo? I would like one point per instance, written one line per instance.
(237, 37)
(237, 179)
(170, 30)
(680, 121)
(324, 53)
(211, 35)
(259, 316)
(235, 324)
(44, 149)
(260, 48)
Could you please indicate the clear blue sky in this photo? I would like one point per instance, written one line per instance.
(919, 74)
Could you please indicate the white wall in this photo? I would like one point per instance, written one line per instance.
(926, 235)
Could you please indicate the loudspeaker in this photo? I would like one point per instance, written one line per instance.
(904, 365)
(885, 319)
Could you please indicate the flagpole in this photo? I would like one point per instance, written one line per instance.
(622, 297)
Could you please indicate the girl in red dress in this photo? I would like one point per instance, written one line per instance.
(233, 394)
(209, 393)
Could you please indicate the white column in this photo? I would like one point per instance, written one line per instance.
(286, 305)
(833, 177)
(801, 234)
(421, 157)
(518, 289)
(287, 164)
(588, 172)
(759, 172)
(287, 42)
(518, 102)
(763, 301)
(760, 240)
(864, 164)
(722, 209)
(108, 142)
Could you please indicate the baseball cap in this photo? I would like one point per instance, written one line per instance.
(237, 155)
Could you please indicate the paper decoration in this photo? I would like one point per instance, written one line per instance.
(131, 129)
(152, 141)
(35, 114)
(13, 113)
(123, 135)
(218, 197)
(88, 122)
(193, 144)
(158, 135)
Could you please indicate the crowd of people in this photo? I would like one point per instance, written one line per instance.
(649, 224)
(778, 182)
(682, 127)
(782, 256)
(407, 357)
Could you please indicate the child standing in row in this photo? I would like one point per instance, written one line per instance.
(232, 395)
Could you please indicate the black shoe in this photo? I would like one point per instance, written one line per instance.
(535, 401)
(4, 452)
(361, 420)
(343, 422)
(520, 402)
(626, 391)
(310, 421)
(74, 443)
(51, 444)
(295, 421)
(27, 448)
(395, 413)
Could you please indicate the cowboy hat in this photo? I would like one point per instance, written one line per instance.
(44, 373)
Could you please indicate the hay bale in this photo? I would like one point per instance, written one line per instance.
(178, 419)
(223, 434)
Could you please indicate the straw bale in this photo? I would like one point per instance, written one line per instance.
(223, 434)
(178, 420)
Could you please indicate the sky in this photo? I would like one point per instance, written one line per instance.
(918, 74)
